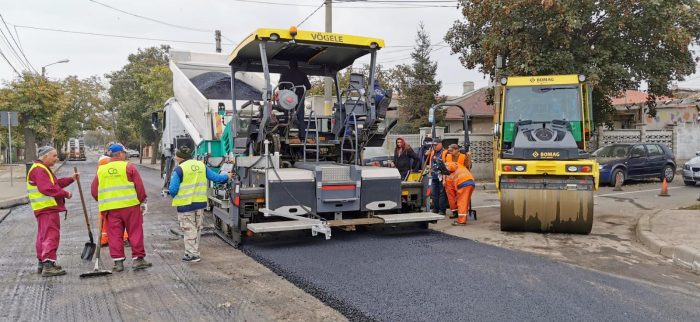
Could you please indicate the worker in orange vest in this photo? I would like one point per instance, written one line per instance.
(462, 160)
(463, 183)
(104, 159)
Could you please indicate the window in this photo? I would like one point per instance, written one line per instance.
(639, 150)
(654, 150)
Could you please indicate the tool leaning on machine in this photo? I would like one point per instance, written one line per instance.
(289, 176)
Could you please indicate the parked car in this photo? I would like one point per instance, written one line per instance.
(133, 153)
(691, 170)
(623, 161)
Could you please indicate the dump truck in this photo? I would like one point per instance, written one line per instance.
(283, 183)
(544, 175)
(76, 149)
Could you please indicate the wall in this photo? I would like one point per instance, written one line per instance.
(687, 142)
(479, 125)
(668, 116)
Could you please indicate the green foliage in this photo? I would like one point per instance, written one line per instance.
(416, 85)
(141, 87)
(617, 44)
(83, 110)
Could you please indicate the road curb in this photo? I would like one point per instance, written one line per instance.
(683, 256)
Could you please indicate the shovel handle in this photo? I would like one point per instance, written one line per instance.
(82, 201)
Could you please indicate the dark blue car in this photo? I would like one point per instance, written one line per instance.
(623, 161)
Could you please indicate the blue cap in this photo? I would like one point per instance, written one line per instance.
(116, 148)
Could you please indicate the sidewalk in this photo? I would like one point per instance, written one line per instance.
(14, 191)
(673, 234)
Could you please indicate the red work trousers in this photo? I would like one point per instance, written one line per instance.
(131, 219)
(48, 235)
(103, 239)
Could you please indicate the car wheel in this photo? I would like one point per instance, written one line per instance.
(689, 183)
(618, 173)
(667, 173)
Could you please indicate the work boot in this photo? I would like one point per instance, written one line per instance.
(50, 269)
(140, 263)
(118, 266)
(40, 267)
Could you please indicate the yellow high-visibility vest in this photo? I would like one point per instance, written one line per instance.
(193, 187)
(115, 191)
(37, 199)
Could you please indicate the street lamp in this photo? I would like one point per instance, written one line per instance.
(43, 68)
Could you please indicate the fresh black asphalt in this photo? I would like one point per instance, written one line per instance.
(430, 276)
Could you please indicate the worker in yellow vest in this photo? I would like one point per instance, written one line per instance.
(121, 198)
(46, 196)
(188, 187)
(104, 241)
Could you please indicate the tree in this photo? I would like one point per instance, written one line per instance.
(616, 44)
(141, 87)
(382, 76)
(37, 100)
(82, 111)
(416, 85)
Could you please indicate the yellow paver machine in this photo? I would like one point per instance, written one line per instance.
(544, 175)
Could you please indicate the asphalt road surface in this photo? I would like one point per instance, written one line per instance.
(431, 276)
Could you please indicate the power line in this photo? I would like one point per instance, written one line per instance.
(116, 36)
(309, 16)
(150, 19)
(345, 7)
(17, 44)
(8, 62)
(12, 51)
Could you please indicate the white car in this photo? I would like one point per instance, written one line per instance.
(133, 153)
(691, 170)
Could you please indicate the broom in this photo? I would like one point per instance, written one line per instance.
(97, 271)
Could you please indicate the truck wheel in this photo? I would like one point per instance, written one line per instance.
(617, 173)
(667, 173)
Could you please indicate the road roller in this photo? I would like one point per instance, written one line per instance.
(544, 175)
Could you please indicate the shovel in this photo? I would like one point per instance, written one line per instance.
(90, 246)
(97, 271)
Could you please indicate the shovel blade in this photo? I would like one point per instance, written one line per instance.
(88, 251)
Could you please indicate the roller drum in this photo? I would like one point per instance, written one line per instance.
(547, 205)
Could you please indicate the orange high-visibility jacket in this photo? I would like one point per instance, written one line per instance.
(463, 160)
(462, 178)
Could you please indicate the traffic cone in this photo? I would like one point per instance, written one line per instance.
(664, 189)
(618, 185)
(461, 220)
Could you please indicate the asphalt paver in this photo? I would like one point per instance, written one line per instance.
(431, 276)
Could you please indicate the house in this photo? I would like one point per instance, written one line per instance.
(474, 102)
(681, 109)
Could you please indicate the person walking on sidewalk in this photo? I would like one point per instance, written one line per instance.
(104, 241)
(121, 197)
(47, 198)
(464, 185)
(188, 187)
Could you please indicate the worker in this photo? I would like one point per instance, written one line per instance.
(47, 198)
(297, 77)
(464, 185)
(104, 241)
(462, 159)
(438, 195)
(121, 197)
(423, 151)
(188, 187)
(404, 157)
(453, 155)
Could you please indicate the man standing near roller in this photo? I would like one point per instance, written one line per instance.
(121, 197)
(46, 196)
(188, 187)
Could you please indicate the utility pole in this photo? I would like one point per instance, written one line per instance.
(217, 36)
(327, 102)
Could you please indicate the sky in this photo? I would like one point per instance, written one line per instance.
(91, 55)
